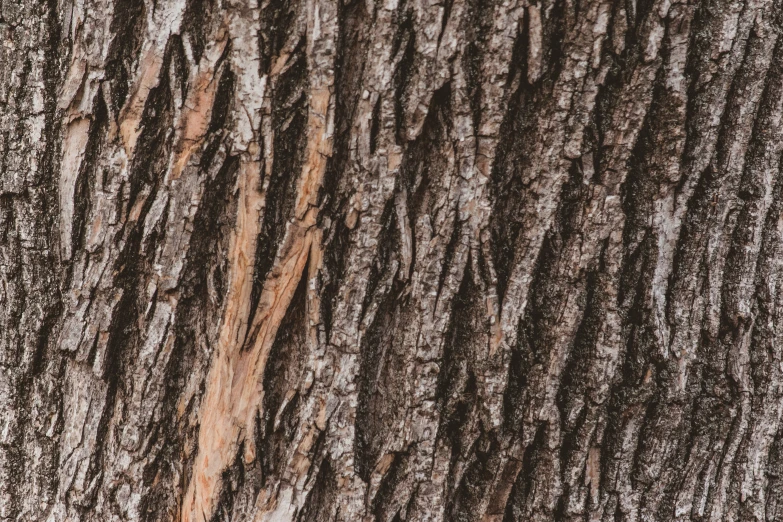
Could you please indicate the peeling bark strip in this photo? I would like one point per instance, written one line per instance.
(391, 260)
(233, 399)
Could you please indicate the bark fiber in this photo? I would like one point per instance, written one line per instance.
(391, 260)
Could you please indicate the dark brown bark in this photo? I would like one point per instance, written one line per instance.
(391, 260)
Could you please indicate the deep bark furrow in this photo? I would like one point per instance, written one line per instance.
(391, 260)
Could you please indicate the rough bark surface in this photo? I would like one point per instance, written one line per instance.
(391, 260)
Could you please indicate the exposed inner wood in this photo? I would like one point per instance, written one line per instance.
(234, 396)
(391, 260)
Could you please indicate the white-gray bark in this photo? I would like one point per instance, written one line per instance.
(391, 260)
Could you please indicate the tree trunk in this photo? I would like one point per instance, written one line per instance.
(391, 260)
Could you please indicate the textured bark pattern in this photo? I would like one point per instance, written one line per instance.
(391, 260)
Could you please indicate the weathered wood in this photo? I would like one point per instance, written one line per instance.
(386, 260)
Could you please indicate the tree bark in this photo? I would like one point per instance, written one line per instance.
(391, 260)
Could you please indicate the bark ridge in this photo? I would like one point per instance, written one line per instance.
(391, 260)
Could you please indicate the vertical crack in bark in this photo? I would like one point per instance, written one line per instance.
(550, 285)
